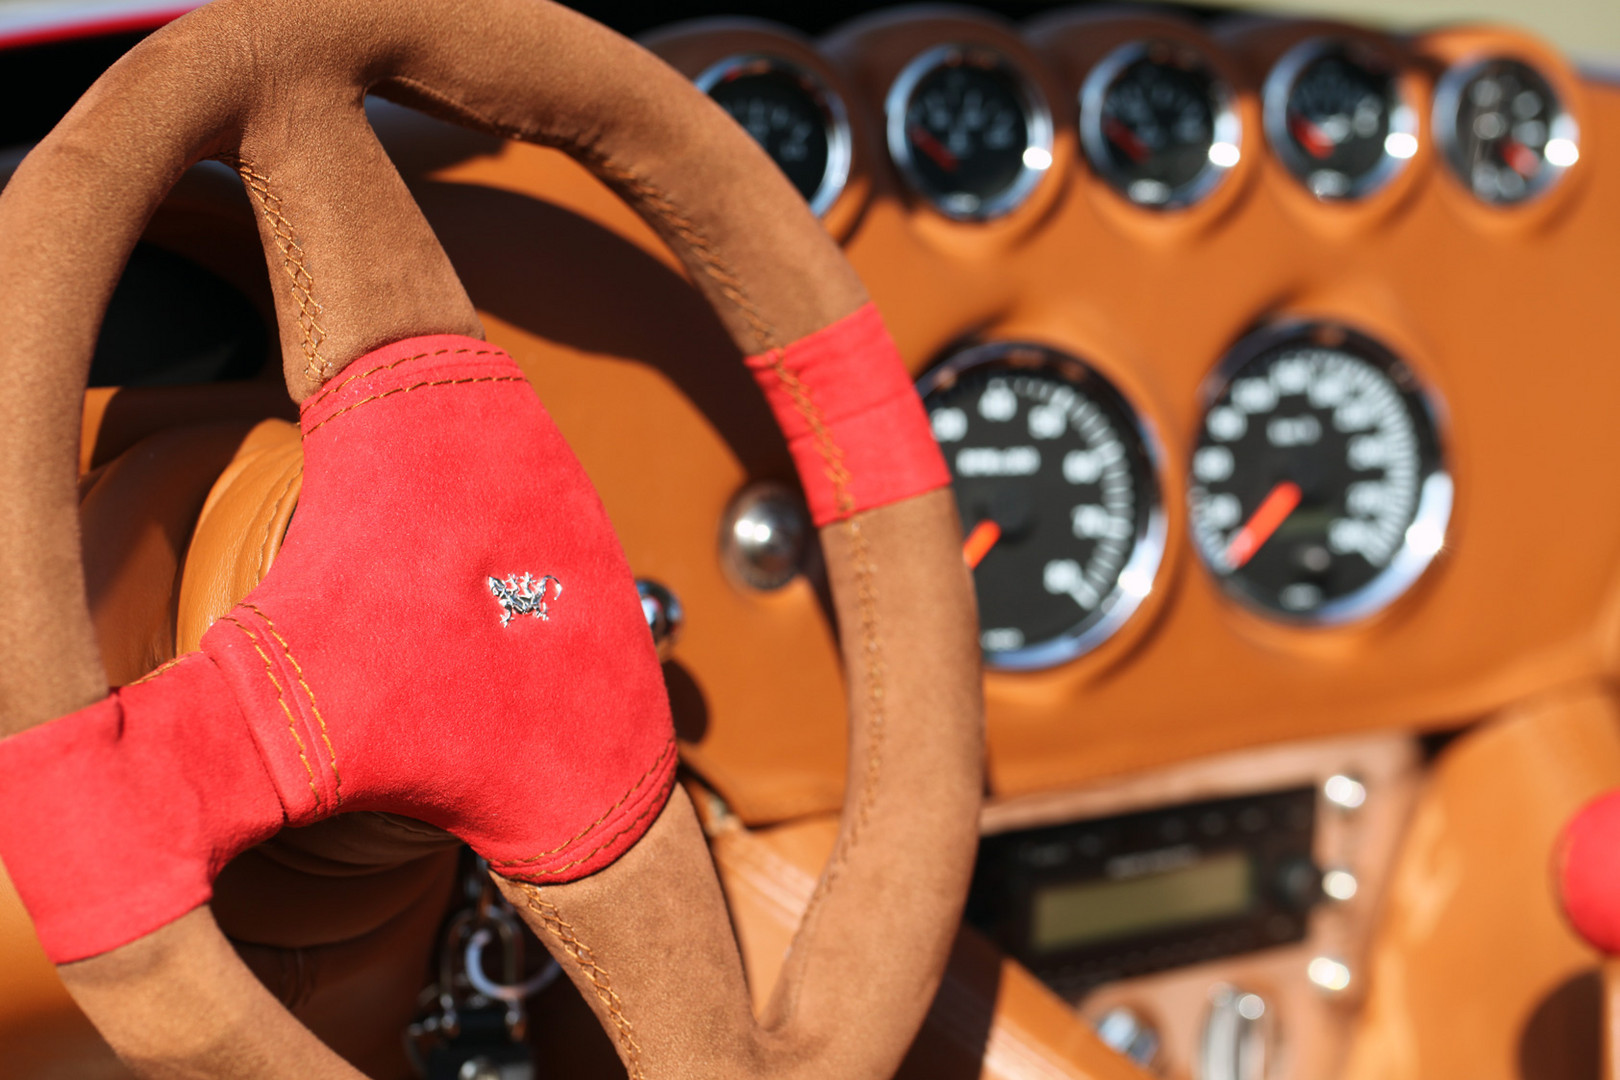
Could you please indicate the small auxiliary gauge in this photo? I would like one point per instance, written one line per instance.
(1318, 493)
(1158, 124)
(1336, 118)
(1504, 131)
(969, 131)
(1054, 480)
(798, 120)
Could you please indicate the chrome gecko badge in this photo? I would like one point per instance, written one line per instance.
(524, 595)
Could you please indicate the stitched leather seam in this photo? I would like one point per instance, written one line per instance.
(292, 264)
(326, 737)
(407, 389)
(155, 672)
(293, 473)
(601, 985)
(292, 723)
(654, 803)
(663, 756)
(328, 391)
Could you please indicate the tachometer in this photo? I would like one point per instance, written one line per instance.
(1158, 124)
(969, 131)
(1335, 115)
(1318, 492)
(1054, 479)
(798, 120)
(1505, 133)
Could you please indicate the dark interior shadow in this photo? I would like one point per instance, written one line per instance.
(1562, 1040)
(686, 702)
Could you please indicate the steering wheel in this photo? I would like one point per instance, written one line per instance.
(390, 660)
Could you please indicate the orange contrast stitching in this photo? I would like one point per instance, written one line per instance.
(585, 959)
(155, 672)
(292, 264)
(407, 389)
(286, 650)
(669, 748)
(832, 455)
(652, 804)
(335, 387)
(292, 724)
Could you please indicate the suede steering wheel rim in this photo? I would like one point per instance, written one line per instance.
(277, 89)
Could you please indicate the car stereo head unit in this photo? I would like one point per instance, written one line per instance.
(1088, 902)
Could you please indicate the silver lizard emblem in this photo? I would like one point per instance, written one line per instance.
(524, 595)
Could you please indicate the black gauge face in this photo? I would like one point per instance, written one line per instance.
(1057, 494)
(800, 123)
(968, 131)
(1337, 120)
(1506, 135)
(1317, 490)
(1158, 125)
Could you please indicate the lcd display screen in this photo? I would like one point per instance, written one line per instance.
(1069, 916)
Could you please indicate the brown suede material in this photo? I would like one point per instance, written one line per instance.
(275, 88)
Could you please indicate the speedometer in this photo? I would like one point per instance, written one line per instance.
(1318, 492)
(1055, 483)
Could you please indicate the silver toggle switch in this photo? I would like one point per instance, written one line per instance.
(663, 611)
(764, 535)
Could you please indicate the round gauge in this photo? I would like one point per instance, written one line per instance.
(1317, 493)
(1335, 115)
(969, 131)
(1158, 124)
(1054, 480)
(799, 121)
(1505, 134)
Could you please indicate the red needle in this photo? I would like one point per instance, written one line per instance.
(933, 148)
(979, 542)
(1315, 141)
(1124, 138)
(1272, 512)
(1520, 158)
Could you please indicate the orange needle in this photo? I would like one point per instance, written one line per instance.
(1271, 513)
(979, 542)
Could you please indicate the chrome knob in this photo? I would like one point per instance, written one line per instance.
(764, 535)
(1125, 1031)
(663, 611)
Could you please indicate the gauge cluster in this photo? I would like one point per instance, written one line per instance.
(1297, 470)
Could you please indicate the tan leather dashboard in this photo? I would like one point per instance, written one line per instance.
(1506, 314)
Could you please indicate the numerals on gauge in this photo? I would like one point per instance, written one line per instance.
(1317, 491)
(1057, 497)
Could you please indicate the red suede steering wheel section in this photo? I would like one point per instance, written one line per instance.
(450, 632)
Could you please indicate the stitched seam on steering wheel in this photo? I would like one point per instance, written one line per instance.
(326, 737)
(663, 756)
(328, 391)
(601, 984)
(653, 804)
(292, 264)
(407, 389)
(832, 456)
(155, 672)
(292, 722)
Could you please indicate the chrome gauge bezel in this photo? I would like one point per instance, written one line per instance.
(1226, 127)
(1037, 126)
(1139, 576)
(1447, 105)
(1423, 538)
(1279, 88)
(834, 116)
